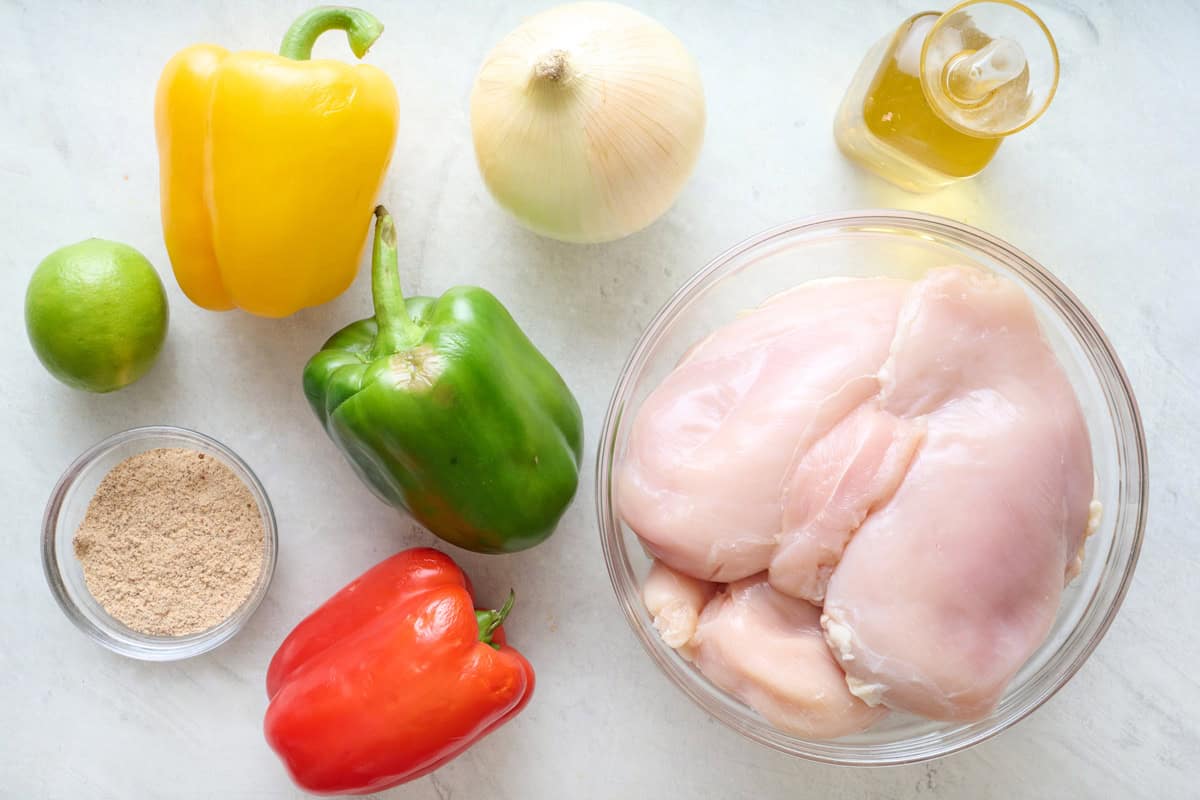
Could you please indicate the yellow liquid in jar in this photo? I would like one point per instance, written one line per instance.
(896, 112)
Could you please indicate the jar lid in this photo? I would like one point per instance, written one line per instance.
(989, 67)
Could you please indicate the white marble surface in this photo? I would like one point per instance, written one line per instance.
(1101, 190)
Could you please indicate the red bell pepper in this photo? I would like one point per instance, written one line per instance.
(392, 677)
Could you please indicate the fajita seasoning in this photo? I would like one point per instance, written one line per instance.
(172, 542)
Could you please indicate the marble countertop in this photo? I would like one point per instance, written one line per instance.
(1100, 190)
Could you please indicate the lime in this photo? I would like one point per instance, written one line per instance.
(96, 314)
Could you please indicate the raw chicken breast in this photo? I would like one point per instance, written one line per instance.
(711, 447)
(675, 601)
(910, 454)
(767, 649)
(948, 588)
(849, 471)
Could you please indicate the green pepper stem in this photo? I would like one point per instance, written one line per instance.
(362, 29)
(397, 331)
(490, 620)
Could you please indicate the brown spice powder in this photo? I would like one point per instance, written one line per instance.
(172, 542)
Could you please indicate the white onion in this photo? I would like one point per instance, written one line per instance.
(587, 121)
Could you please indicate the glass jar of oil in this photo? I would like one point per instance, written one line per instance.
(931, 103)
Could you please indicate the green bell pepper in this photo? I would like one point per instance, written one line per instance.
(447, 410)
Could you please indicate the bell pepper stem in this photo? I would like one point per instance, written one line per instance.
(490, 620)
(362, 29)
(397, 331)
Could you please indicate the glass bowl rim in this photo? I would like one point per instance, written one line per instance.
(1036, 278)
(164, 648)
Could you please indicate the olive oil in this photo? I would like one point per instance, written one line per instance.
(896, 112)
(932, 103)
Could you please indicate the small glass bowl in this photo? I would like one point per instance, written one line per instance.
(66, 509)
(900, 244)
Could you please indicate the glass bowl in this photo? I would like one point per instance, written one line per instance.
(66, 509)
(900, 244)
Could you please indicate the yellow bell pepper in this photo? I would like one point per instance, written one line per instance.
(270, 166)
